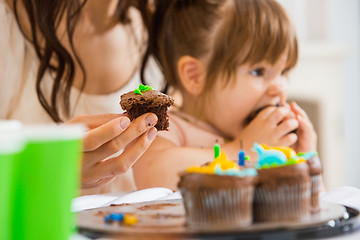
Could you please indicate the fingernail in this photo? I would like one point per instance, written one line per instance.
(151, 134)
(151, 119)
(124, 122)
(299, 117)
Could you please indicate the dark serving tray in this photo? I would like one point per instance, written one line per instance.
(166, 219)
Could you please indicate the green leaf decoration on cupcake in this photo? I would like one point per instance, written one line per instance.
(142, 88)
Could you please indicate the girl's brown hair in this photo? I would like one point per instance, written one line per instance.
(225, 33)
(44, 18)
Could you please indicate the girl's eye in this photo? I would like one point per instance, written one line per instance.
(259, 72)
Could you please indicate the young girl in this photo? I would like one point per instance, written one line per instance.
(228, 59)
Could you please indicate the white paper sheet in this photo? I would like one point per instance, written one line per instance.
(150, 194)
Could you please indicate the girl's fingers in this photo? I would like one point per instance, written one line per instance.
(288, 140)
(105, 133)
(279, 114)
(298, 110)
(264, 114)
(286, 126)
(303, 119)
(126, 160)
(140, 125)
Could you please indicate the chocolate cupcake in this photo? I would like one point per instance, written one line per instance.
(144, 100)
(283, 189)
(218, 195)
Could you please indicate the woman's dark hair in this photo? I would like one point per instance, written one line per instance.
(44, 18)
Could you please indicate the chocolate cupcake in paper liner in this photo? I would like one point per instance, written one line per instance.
(283, 188)
(218, 195)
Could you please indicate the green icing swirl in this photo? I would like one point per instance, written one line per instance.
(142, 88)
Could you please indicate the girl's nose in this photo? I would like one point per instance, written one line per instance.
(278, 88)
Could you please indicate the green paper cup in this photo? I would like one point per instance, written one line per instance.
(11, 144)
(47, 179)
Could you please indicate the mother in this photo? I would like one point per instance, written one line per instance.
(69, 61)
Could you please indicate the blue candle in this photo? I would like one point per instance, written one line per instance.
(241, 155)
(242, 158)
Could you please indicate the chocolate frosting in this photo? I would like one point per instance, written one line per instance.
(270, 178)
(195, 181)
(150, 97)
(315, 165)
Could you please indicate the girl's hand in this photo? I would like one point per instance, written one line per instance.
(307, 138)
(107, 135)
(272, 126)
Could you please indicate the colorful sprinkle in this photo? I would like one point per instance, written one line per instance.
(108, 218)
(117, 216)
(130, 219)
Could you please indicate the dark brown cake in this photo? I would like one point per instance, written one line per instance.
(136, 104)
(282, 193)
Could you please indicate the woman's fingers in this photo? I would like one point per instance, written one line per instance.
(110, 138)
(118, 142)
(124, 161)
(108, 134)
(105, 133)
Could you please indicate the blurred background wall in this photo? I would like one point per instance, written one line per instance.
(326, 82)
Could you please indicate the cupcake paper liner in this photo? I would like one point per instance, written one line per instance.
(315, 189)
(218, 208)
(286, 202)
